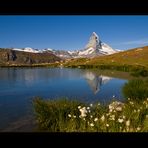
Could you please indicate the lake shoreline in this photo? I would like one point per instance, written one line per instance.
(133, 70)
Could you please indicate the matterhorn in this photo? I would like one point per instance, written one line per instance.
(96, 47)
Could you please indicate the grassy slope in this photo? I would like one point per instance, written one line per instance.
(133, 57)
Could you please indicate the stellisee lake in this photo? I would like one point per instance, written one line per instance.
(18, 87)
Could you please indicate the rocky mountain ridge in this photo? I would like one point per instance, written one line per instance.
(94, 47)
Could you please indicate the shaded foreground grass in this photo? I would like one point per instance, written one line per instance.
(65, 115)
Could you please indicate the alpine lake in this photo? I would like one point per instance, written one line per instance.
(19, 86)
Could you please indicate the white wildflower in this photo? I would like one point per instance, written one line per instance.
(113, 96)
(96, 119)
(91, 105)
(103, 118)
(119, 108)
(123, 117)
(112, 117)
(110, 106)
(132, 103)
(107, 125)
(146, 116)
(107, 114)
(111, 110)
(84, 108)
(127, 123)
(120, 120)
(138, 110)
(144, 102)
(91, 116)
(128, 99)
(135, 111)
(99, 104)
(88, 108)
(74, 116)
(79, 107)
(141, 108)
(83, 112)
(147, 99)
(89, 111)
(115, 106)
(69, 115)
(138, 128)
(91, 124)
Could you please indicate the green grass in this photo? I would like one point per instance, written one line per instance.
(63, 115)
(136, 89)
(53, 115)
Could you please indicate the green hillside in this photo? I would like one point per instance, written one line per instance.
(127, 60)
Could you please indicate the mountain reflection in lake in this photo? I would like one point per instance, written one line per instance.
(96, 81)
(18, 86)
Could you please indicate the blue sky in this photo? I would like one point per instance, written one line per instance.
(72, 32)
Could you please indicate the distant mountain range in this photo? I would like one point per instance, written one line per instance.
(94, 47)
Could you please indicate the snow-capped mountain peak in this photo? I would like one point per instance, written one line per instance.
(94, 33)
(27, 49)
(94, 41)
(99, 46)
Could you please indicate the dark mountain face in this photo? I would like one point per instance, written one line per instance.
(8, 56)
(94, 42)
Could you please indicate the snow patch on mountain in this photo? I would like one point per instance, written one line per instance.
(47, 49)
(72, 52)
(87, 51)
(107, 49)
(28, 49)
(17, 49)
